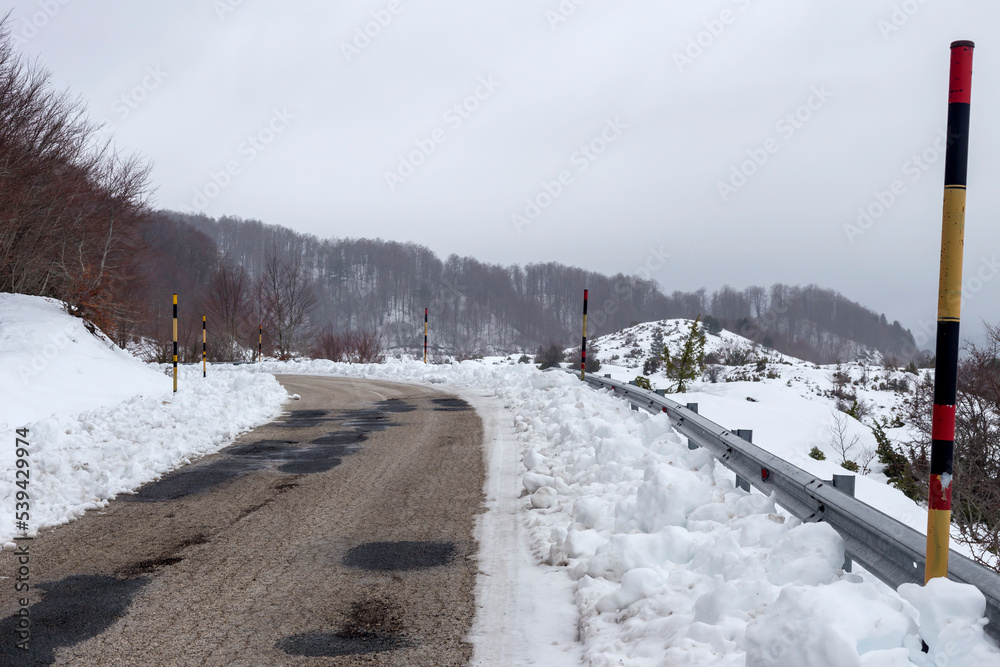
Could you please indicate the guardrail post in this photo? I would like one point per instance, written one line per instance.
(607, 375)
(746, 434)
(845, 484)
(693, 407)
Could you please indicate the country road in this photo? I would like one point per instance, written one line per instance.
(341, 534)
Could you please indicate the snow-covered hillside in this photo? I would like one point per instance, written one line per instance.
(99, 421)
(788, 403)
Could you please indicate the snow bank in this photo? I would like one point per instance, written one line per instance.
(101, 423)
(674, 565)
(51, 363)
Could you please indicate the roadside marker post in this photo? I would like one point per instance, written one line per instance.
(949, 311)
(583, 349)
(175, 343)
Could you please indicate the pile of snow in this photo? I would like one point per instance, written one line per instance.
(789, 406)
(51, 363)
(670, 562)
(101, 423)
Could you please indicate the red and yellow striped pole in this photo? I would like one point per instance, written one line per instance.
(175, 343)
(949, 311)
(204, 346)
(425, 335)
(583, 350)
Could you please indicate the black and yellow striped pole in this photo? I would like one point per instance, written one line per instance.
(583, 350)
(949, 311)
(175, 343)
(204, 346)
(425, 335)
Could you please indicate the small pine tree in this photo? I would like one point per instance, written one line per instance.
(549, 357)
(688, 366)
(643, 383)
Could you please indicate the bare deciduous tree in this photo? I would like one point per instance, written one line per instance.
(70, 203)
(228, 306)
(289, 299)
(840, 440)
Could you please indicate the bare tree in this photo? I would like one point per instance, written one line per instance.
(228, 306)
(70, 203)
(841, 442)
(289, 299)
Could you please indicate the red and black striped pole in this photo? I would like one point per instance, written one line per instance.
(204, 346)
(175, 343)
(425, 335)
(583, 350)
(949, 311)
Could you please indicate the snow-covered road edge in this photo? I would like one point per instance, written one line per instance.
(526, 614)
(82, 461)
(671, 564)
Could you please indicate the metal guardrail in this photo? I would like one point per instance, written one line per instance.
(887, 548)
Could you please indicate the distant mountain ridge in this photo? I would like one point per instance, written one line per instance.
(478, 308)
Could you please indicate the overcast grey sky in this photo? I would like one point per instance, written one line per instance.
(447, 122)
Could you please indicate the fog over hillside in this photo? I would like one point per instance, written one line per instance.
(476, 307)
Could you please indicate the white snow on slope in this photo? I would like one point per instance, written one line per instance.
(100, 423)
(670, 563)
(786, 402)
(51, 363)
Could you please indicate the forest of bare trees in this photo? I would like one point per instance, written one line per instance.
(383, 287)
(70, 203)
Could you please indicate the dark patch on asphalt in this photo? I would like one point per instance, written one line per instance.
(265, 448)
(200, 538)
(303, 419)
(320, 455)
(395, 405)
(149, 566)
(194, 479)
(341, 438)
(388, 556)
(367, 421)
(450, 405)
(328, 644)
(309, 467)
(74, 609)
(371, 626)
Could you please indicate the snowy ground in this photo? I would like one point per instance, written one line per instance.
(786, 404)
(668, 562)
(99, 422)
(607, 542)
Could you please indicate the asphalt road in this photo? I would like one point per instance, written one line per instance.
(340, 534)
